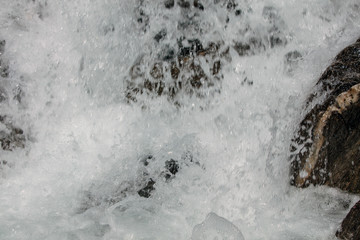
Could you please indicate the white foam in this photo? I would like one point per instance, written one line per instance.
(81, 136)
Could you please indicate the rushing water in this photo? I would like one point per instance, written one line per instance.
(82, 165)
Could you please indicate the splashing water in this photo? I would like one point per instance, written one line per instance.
(89, 151)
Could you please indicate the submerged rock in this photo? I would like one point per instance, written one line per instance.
(350, 226)
(143, 184)
(11, 137)
(2, 46)
(4, 68)
(291, 61)
(326, 148)
(187, 55)
(146, 191)
(169, 3)
(193, 69)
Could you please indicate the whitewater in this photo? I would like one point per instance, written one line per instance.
(88, 150)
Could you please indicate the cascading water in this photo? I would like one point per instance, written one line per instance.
(98, 164)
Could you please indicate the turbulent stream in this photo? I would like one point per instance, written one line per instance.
(90, 148)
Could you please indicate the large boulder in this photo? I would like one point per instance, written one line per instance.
(326, 148)
(350, 227)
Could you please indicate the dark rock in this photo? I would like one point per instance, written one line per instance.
(247, 82)
(146, 191)
(242, 48)
(291, 60)
(249, 48)
(167, 53)
(11, 137)
(142, 18)
(270, 13)
(169, 3)
(108, 29)
(181, 64)
(172, 167)
(160, 35)
(186, 72)
(3, 95)
(4, 69)
(276, 38)
(2, 46)
(326, 148)
(147, 159)
(198, 5)
(350, 226)
(184, 3)
(231, 5)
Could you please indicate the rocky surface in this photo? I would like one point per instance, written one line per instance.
(11, 137)
(4, 68)
(181, 63)
(350, 227)
(189, 69)
(326, 148)
(150, 171)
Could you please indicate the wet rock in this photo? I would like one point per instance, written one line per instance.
(172, 167)
(146, 191)
(11, 137)
(187, 56)
(216, 227)
(160, 35)
(150, 171)
(197, 4)
(190, 69)
(270, 14)
(325, 149)
(108, 28)
(2, 46)
(4, 68)
(231, 5)
(142, 18)
(184, 3)
(350, 226)
(169, 3)
(3, 95)
(276, 37)
(251, 47)
(147, 159)
(238, 12)
(167, 53)
(291, 61)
